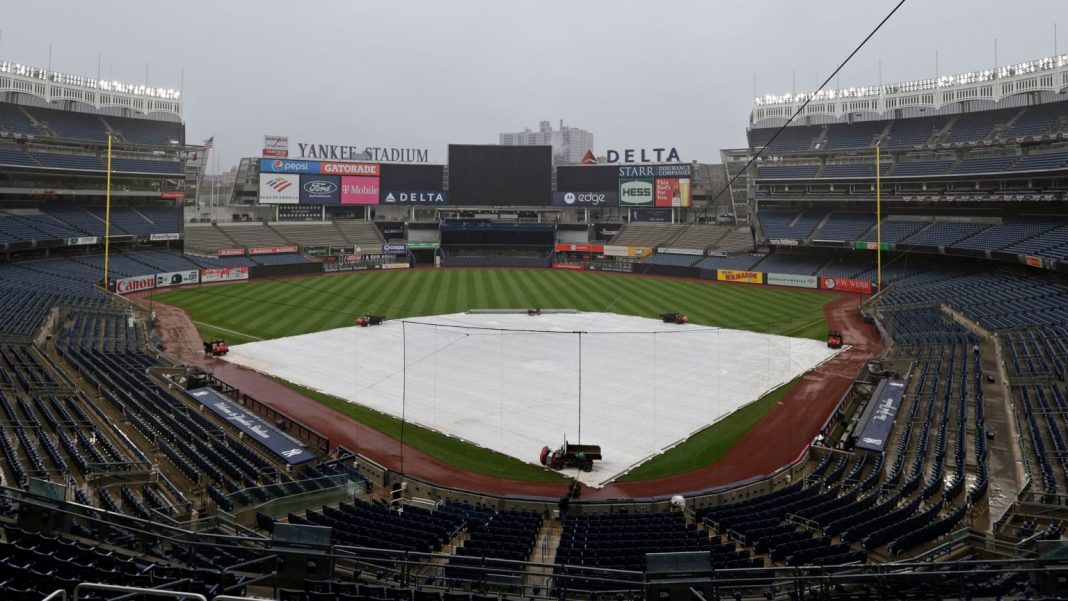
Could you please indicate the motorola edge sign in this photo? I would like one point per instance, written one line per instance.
(585, 199)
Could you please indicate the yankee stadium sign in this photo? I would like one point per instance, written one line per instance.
(336, 152)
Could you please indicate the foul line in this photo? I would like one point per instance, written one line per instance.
(215, 327)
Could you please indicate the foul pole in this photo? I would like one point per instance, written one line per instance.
(878, 222)
(107, 217)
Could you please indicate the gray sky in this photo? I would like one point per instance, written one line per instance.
(426, 73)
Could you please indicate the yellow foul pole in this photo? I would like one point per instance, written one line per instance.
(878, 223)
(107, 217)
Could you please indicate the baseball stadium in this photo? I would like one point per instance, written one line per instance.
(831, 366)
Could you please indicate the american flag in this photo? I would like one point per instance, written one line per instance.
(209, 143)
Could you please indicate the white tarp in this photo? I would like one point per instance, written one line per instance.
(644, 386)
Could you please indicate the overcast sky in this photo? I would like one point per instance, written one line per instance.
(424, 74)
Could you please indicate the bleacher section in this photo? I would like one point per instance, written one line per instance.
(690, 236)
(944, 233)
(845, 227)
(791, 225)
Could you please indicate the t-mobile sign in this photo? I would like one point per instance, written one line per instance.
(359, 190)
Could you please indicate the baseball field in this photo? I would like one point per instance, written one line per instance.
(269, 309)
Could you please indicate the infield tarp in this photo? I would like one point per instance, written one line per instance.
(254, 426)
(885, 404)
(511, 382)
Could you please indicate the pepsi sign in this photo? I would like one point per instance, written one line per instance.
(320, 189)
(415, 197)
(585, 199)
(287, 166)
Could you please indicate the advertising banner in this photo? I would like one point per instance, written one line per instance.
(83, 241)
(1033, 261)
(143, 282)
(782, 242)
(177, 278)
(279, 189)
(673, 170)
(231, 252)
(431, 245)
(681, 251)
(395, 266)
(870, 246)
(651, 215)
(394, 249)
(160, 237)
(415, 197)
(223, 274)
(794, 281)
(636, 192)
(359, 190)
(672, 192)
(616, 251)
(172, 195)
(569, 266)
(272, 250)
(745, 277)
(285, 166)
(582, 248)
(364, 169)
(320, 189)
(880, 415)
(585, 199)
(845, 285)
(276, 146)
(252, 425)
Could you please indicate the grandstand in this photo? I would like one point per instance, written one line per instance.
(115, 471)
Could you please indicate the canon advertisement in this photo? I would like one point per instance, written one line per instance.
(585, 199)
(415, 197)
(320, 189)
(277, 188)
(127, 285)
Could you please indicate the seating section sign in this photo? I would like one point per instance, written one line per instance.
(253, 426)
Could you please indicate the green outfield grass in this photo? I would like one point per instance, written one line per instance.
(276, 308)
(711, 444)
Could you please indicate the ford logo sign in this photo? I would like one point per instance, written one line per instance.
(320, 187)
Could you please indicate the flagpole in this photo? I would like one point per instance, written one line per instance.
(107, 218)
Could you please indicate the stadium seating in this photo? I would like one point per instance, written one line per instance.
(70, 125)
(792, 139)
(790, 263)
(791, 226)
(917, 131)
(917, 167)
(675, 260)
(146, 132)
(14, 120)
(69, 161)
(943, 233)
(15, 157)
(788, 171)
(984, 164)
(861, 134)
(145, 166)
(1042, 161)
(844, 226)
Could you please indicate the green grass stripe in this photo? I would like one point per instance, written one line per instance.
(446, 448)
(710, 444)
